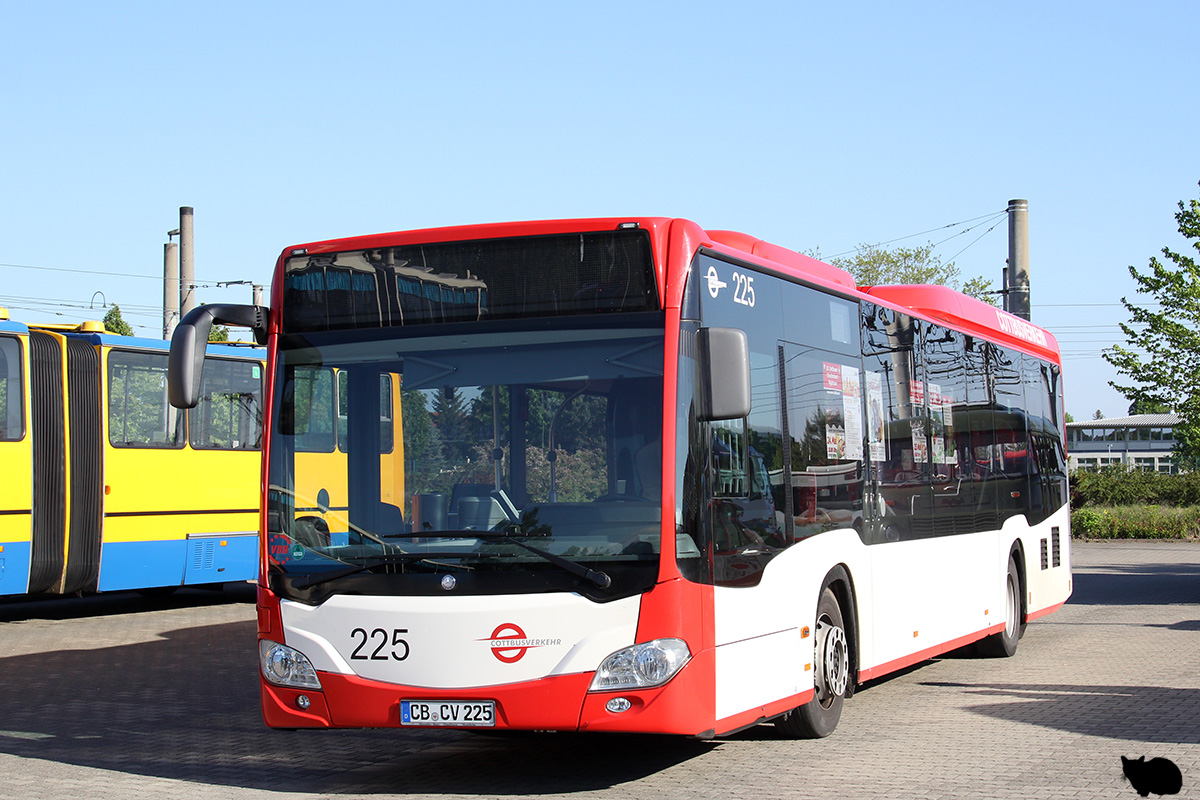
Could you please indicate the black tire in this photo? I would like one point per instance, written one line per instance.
(819, 717)
(1003, 644)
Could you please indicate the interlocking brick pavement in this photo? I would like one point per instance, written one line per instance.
(127, 697)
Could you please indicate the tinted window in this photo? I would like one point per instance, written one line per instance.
(387, 426)
(532, 276)
(308, 405)
(793, 467)
(962, 433)
(229, 414)
(12, 416)
(138, 412)
(897, 433)
(824, 457)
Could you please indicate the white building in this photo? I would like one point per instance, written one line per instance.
(1142, 442)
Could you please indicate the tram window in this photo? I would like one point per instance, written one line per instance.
(138, 412)
(312, 407)
(229, 415)
(12, 417)
(386, 420)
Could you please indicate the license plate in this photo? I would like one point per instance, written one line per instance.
(448, 713)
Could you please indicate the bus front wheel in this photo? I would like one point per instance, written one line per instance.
(818, 717)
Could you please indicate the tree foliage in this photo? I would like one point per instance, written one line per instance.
(872, 265)
(1160, 362)
(113, 323)
(1147, 407)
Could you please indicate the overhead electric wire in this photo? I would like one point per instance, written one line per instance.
(158, 278)
(953, 224)
(969, 246)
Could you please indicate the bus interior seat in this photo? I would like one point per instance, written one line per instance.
(311, 531)
(460, 491)
(479, 513)
(648, 464)
(391, 519)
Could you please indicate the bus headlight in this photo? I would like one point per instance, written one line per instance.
(642, 666)
(285, 666)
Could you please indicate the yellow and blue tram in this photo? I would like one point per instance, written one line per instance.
(92, 456)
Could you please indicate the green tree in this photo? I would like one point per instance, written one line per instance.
(113, 323)
(874, 266)
(450, 420)
(1160, 362)
(1148, 407)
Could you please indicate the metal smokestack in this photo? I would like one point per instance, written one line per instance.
(187, 270)
(170, 285)
(1018, 258)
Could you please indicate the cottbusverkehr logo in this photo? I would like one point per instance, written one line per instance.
(510, 644)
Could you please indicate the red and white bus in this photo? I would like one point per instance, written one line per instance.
(655, 479)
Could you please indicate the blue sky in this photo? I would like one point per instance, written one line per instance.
(814, 126)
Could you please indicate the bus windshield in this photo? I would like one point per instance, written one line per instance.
(510, 458)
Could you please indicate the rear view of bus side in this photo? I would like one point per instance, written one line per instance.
(653, 478)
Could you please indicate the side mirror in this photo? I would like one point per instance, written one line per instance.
(722, 374)
(185, 364)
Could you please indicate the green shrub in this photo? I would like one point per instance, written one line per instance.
(1091, 523)
(1118, 486)
(1136, 522)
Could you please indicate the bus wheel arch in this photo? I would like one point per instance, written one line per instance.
(835, 662)
(1003, 643)
(1017, 555)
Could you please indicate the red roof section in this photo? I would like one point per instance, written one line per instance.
(675, 242)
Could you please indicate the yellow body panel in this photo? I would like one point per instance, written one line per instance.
(317, 471)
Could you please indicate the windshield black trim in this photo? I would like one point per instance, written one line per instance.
(629, 578)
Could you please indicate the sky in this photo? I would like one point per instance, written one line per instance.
(819, 127)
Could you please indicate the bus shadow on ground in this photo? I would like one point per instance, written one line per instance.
(186, 707)
(1137, 584)
(1149, 714)
(22, 607)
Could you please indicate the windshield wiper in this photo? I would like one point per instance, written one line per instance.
(597, 577)
(318, 578)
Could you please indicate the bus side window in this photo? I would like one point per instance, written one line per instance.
(229, 415)
(897, 441)
(138, 412)
(12, 417)
(824, 406)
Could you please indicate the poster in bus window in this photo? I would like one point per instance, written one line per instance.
(852, 413)
(937, 424)
(835, 442)
(948, 427)
(916, 393)
(875, 416)
(920, 446)
(831, 375)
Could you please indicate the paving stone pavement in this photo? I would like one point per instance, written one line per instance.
(128, 697)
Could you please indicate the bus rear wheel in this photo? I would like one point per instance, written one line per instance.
(1003, 644)
(819, 717)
